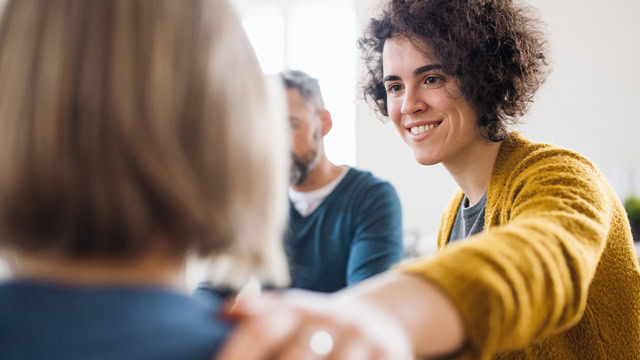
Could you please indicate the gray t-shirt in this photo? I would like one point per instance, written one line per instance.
(469, 220)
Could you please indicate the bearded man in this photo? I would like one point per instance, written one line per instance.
(345, 224)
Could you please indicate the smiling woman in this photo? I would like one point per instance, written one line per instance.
(507, 45)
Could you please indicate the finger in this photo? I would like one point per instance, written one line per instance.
(296, 351)
(259, 337)
(350, 344)
(351, 350)
(255, 305)
(353, 342)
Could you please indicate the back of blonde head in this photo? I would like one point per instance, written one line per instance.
(126, 121)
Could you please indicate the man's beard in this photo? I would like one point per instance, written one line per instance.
(302, 166)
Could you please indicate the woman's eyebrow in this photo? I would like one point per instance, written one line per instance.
(416, 72)
(426, 68)
(390, 78)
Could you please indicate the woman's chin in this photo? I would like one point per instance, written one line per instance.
(426, 159)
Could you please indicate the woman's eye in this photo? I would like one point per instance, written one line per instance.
(430, 80)
(394, 88)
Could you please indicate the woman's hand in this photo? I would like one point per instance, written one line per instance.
(390, 316)
(282, 326)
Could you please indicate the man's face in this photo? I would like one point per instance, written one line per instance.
(306, 137)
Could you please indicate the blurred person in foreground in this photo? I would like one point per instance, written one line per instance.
(536, 258)
(127, 146)
(345, 225)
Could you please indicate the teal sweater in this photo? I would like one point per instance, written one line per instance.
(355, 233)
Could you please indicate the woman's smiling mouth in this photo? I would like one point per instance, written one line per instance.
(423, 128)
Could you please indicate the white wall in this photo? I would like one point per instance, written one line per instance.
(589, 104)
(590, 101)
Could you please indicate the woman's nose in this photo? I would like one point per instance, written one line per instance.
(413, 103)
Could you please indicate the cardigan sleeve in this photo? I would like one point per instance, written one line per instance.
(528, 278)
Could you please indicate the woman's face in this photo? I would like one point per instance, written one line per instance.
(426, 106)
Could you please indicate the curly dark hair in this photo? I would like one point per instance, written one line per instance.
(494, 48)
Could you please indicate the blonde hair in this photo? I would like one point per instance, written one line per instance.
(121, 120)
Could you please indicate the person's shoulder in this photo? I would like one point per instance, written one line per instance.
(366, 177)
(367, 188)
(519, 154)
(169, 324)
(187, 326)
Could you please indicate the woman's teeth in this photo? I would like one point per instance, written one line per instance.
(417, 130)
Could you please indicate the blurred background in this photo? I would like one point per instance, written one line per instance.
(588, 103)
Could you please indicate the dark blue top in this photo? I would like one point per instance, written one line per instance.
(355, 233)
(52, 322)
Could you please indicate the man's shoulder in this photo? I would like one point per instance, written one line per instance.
(363, 186)
(362, 177)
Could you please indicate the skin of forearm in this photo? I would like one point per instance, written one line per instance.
(431, 321)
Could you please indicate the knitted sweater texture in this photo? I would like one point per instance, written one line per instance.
(554, 275)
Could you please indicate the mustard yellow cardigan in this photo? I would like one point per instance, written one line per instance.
(554, 275)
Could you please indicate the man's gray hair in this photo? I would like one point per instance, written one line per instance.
(308, 86)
